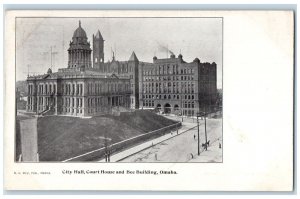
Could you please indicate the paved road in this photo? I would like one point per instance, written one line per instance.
(183, 148)
(148, 144)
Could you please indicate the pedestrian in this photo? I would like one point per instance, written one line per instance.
(155, 156)
(194, 137)
(220, 145)
(105, 157)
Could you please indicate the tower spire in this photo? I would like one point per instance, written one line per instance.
(79, 23)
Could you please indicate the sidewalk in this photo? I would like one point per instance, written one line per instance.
(128, 152)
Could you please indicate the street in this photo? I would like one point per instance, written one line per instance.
(183, 148)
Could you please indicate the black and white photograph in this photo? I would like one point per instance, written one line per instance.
(149, 100)
(119, 89)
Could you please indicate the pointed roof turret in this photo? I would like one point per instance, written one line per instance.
(133, 57)
(98, 35)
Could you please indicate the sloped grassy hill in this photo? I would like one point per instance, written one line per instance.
(60, 138)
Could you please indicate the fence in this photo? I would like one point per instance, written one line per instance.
(125, 144)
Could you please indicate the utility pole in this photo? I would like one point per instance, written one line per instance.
(52, 57)
(28, 66)
(198, 134)
(205, 128)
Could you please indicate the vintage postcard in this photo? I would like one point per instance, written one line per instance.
(148, 100)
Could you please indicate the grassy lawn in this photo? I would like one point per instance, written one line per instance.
(61, 137)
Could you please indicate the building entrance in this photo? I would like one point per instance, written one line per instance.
(167, 108)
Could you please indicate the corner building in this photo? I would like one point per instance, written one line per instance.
(174, 86)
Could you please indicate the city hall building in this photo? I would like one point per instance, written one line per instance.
(88, 86)
(80, 89)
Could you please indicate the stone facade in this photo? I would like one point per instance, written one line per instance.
(89, 86)
(79, 89)
(173, 86)
(82, 93)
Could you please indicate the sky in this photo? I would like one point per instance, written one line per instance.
(192, 37)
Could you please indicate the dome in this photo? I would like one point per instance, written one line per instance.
(180, 56)
(197, 60)
(79, 32)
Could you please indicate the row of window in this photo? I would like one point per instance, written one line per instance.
(100, 88)
(67, 110)
(30, 103)
(185, 87)
(188, 112)
(167, 91)
(46, 89)
(150, 104)
(170, 84)
(187, 97)
(168, 78)
(122, 68)
(93, 88)
(72, 89)
(99, 101)
(72, 102)
(46, 101)
(167, 69)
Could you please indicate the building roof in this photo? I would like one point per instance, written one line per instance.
(79, 40)
(98, 35)
(79, 32)
(133, 57)
(77, 73)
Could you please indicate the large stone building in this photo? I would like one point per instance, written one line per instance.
(90, 86)
(79, 89)
(173, 86)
